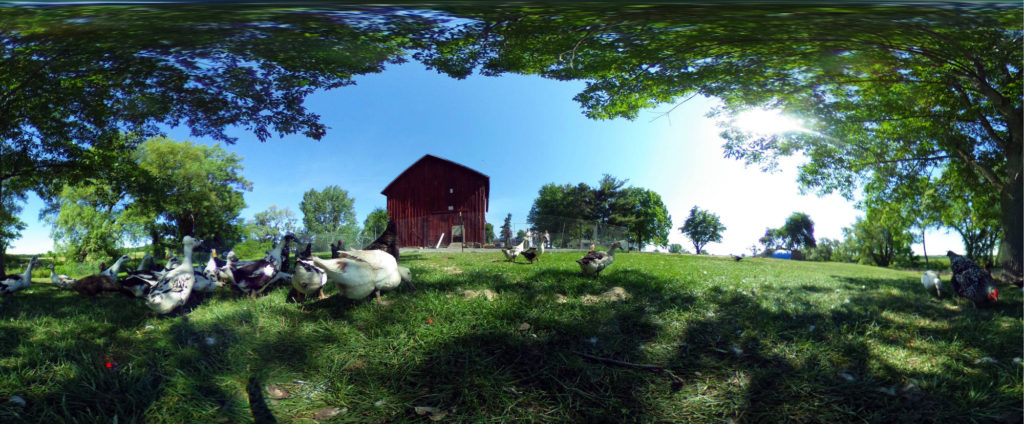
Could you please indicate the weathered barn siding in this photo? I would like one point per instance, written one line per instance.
(427, 198)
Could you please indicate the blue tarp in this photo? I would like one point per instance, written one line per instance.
(782, 254)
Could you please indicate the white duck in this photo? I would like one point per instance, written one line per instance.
(359, 273)
(595, 261)
(61, 280)
(116, 267)
(307, 279)
(514, 251)
(15, 282)
(931, 281)
(175, 287)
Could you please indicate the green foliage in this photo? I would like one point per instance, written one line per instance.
(640, 211)
(796, 233)
(76, 79)
(271, 225)
(506, 229)
(252, 249)
(329, 211)
(888, 95)
(489, 232)
(799, 231)
(93, 220)
(375, 223)
(10, 225)
(773, 239)
(702, 227)
(644, 215)
(675, 248)
(880, 240)
(196, 189)
(161, 189)
(965, 203)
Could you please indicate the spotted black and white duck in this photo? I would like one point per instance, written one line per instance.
(256, 277)
(596, 261)
(307, 278)
(175, 287)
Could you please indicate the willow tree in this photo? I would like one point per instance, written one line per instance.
(882, 88)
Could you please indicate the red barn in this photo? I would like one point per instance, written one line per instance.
(437, 199)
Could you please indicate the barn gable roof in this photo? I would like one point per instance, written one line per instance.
(428, 158)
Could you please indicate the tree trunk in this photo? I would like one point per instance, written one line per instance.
(158, 249)
(3, 254)
(1012, 202)
(924, 247)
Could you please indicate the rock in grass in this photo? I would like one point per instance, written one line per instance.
(436, 414)
(277, 392)
(17, 400)
(328, 413)
(486, 293)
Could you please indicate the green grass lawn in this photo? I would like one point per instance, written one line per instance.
(759, 340)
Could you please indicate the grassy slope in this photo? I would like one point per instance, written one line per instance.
(758, 341)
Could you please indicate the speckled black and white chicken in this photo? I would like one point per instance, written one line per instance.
(971, 282)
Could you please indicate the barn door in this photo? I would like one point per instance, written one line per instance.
(457, 234)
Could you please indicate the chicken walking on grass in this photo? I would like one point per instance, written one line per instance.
(972, 282)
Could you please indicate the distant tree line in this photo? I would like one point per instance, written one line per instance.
(161, 190)
(610, 202)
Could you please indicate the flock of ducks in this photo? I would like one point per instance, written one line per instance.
(356, 273)
(591, 264)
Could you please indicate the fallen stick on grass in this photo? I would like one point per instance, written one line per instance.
(677, 382)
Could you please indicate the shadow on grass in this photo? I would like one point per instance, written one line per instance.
(742, 357)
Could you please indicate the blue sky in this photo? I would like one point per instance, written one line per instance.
(523, 132)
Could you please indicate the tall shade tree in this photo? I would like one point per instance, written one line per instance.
(702, 227)
(194, 189)
(330, 211)
(644, 215)
(271, 225)
(799, 231)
